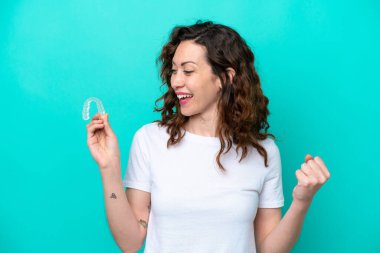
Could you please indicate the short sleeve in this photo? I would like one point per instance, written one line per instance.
(137, 173)
(271, 195)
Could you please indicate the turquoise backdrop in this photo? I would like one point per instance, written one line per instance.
(318, 61)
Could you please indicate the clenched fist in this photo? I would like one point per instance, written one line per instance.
(311, 176)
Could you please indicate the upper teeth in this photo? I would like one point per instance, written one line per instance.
(182, 96)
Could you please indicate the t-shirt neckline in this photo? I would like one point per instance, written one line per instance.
(201, 138)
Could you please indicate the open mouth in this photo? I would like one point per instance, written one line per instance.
(181, 97)
(184, 99)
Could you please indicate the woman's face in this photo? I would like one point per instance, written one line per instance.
(192, 74)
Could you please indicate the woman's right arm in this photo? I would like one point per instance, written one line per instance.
(122, 221)
(128, 233)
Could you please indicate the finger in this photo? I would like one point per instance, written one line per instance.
(302, 178)
(317, 171)
(325, 171)
(93, 128)
(107, 126)
(306, 169)
(97, 121)
(104, 116)
(308, 157)
(308, 180)
(96, 116)
(94, 122)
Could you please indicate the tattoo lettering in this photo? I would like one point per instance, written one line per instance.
(113, 196)
(143, 223)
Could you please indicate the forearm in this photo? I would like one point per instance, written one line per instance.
(121, 219)
(285, 235)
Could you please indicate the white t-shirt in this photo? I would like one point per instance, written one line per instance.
(194, 207)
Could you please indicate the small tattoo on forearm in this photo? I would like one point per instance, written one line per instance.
(143, 223)
(113, 196)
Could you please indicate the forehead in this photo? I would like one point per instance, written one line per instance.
(189, 51)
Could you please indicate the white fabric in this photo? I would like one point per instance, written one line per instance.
(194, 207)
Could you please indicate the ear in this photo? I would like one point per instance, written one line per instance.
(231, 73)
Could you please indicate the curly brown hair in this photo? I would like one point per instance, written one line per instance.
(242, 106)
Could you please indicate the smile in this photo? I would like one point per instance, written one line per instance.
(185, 100)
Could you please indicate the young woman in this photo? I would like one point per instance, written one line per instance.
(206, 177)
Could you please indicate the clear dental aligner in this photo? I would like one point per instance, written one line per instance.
(86, 107)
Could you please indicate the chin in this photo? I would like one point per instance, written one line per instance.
(187, 113)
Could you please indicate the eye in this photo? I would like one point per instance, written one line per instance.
(188, 72)
(172, 71)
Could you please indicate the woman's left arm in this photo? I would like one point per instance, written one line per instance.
(312, 175)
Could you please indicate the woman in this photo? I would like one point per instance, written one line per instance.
(205, 177)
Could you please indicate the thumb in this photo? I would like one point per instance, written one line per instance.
(308, 157)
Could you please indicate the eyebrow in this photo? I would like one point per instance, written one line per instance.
(185, 62)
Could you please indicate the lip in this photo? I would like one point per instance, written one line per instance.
(184, 101)
(182, 93)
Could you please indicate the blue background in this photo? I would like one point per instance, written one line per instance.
(318, 62)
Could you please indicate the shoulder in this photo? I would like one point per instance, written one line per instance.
(273, 152)
(269, 145)
(152, 134)
(151, 129)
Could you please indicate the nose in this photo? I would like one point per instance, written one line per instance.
(177, 80)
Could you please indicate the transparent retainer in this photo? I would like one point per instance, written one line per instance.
(86, 107)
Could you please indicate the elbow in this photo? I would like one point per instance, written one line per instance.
(264, 248)
(133, 245)
(129, 251)
(271, 250)
(130, 248)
